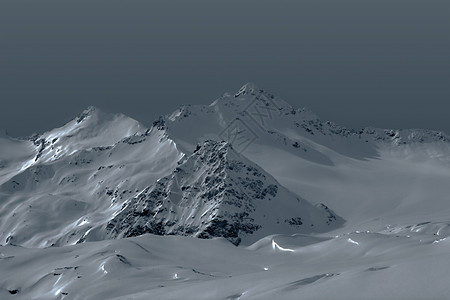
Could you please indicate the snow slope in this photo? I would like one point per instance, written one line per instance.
(358, 265)
(78, 176)
(15, 155)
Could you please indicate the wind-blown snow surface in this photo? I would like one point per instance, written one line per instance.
(352, 266)
(249, 169)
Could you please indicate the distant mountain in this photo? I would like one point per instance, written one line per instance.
(253, 115)
(362, 174)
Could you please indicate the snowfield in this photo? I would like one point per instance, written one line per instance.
(361, 265)
(247, 198)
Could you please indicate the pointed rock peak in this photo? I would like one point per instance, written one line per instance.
(214, 193)
(248, 88)
(251, 92)
(160, 123)
(91, 110)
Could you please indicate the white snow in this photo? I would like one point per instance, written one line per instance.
(58, 190)
(381, 267)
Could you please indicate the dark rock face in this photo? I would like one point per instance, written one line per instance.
(160, 124)
(215, 192)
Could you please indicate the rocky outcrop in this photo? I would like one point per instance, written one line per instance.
(216, 192)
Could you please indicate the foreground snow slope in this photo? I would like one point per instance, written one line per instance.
(360, 265)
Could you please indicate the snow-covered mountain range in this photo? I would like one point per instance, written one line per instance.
(247, 169)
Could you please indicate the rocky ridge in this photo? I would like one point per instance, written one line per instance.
(217, 192)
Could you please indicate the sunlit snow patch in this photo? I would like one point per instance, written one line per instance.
(103, 269)
(275, 246)
(440, 240)
(352, 241)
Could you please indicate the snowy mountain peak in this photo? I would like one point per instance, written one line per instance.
(255, 118)
(248, 88)
(252, 94)
(91, 110)
(92, 128)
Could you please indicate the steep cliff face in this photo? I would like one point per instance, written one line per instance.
(217, 192)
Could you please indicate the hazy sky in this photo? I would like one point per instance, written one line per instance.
(383, 63)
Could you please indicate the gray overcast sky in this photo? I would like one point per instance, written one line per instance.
(383, 63)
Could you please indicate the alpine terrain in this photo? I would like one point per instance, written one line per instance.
(245, 198)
